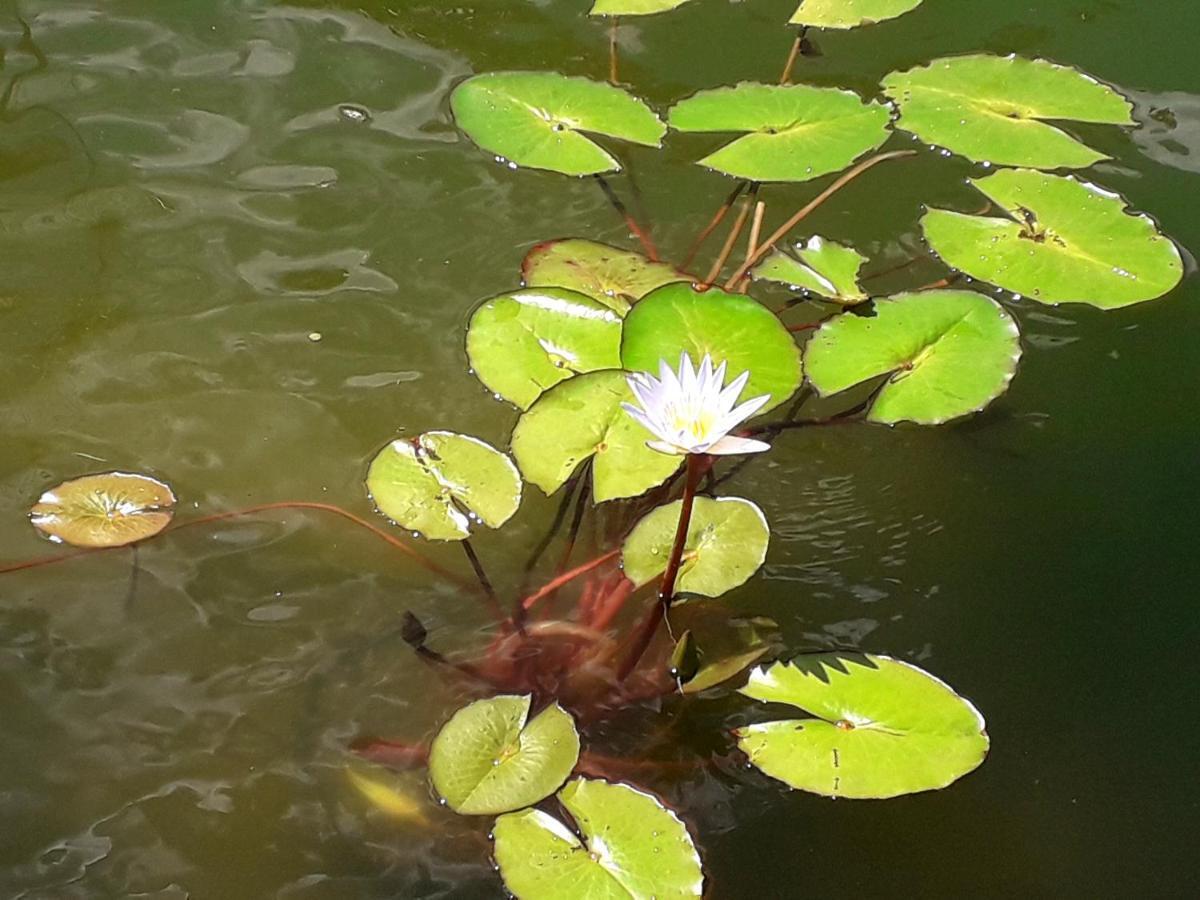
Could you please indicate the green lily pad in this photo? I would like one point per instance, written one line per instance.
(824, 268)
(582, 418)
(1067, 242)
(633, 7)
(435, 483)
(880, 727)
(994, 109)
(796, 132)
(849, 13)
(633, 848)
(488, 759)
(107, 510)
(949, 353)
(522, 343)
(616, 278)
(538, 119)
(731, 328)
(726, 543)
(722, 670)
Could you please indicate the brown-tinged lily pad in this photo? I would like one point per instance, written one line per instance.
(107, 510)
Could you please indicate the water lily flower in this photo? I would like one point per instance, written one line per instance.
(691, 411)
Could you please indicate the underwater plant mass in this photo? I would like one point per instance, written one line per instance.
(643, 383)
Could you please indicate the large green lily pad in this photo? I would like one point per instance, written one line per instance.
(617, 278)
(1067, 241)
(726, 543)
(582, 418)
(522, 343)
(994, 109)
(107, 510)
(880, 727)
(796, 132)
(949, 353)
(433, 484)
(632, 848)
(538, 119)
(849, 13)
(633, 7)
(489, 759)
(821, 267)
(731, 328)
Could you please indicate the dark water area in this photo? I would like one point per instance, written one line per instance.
(239, 242)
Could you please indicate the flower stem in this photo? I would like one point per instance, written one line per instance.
(716, 220)
(642, 234)
(738, 224)
(696, 464)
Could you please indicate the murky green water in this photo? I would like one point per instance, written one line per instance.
(189, 190)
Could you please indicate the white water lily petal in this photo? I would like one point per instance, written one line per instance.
(664, 447)
(730, 445)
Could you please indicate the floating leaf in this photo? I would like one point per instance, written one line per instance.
(108, 510)
(722, 670)
(849, 13)
(1067, 242)
(726, 543)
(685, 658)
(949, 353)
(993, 109)
(731, 328)
(583, 418)
(797, 132)
(522, 343)
(615, 277)
(379, 790)
(824, 268)
(880, 727)
(633, 7)
(487, 760)
(435, 482)
(633, 848)
(535, 119)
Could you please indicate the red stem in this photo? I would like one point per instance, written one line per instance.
(551, 586)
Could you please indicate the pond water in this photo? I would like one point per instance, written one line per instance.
(239, 243)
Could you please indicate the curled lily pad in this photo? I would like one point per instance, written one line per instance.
(489, 759)
(633, 7)
(726, 543)
(1064, 241)
(632, 848)
(712, 674)
(849, 13)
(995, 109)
(821, 267)
(107, 510)
(731, 328)
(436, 483)
(538, 119)
(522, 343)
(617, 278)
(580, 419)
(879, 728)
(949, 353)
(796, 132)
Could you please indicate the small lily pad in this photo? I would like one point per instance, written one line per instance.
(107, 510)
(879, 728)
(1065, 241)
(582, 418)
(633, 7)
(538, 119)
(435, 483)
(796, 132)
(522, 343)
(731, 328)
(632, 848)
(821, 267)
(713, 674)
(849, 13)
(488, 759)
(617, 278)
(949, 353)
(726, 543)
(995, 109)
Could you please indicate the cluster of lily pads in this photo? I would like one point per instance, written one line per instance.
(597, 351)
